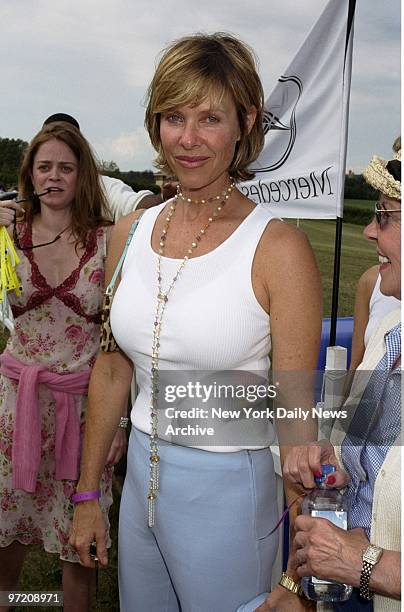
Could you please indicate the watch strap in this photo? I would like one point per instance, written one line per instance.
(365, 579)
(289, 584)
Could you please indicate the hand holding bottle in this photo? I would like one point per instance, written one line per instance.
(328, 552)
(303, 462)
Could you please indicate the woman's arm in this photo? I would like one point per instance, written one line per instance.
(108, 394)
(386, 575)
(363, 294)
(287, 266)
(286, 272)
(107, 400)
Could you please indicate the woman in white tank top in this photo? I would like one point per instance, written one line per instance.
(371, 306)
(211, 283)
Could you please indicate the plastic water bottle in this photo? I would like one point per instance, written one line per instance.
(325, 502)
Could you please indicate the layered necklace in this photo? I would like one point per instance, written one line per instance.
(162, 299)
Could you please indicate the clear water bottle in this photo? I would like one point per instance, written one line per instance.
(328, 503)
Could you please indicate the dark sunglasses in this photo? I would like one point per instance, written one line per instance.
(382, 215)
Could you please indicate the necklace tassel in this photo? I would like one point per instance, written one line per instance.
(151, 498)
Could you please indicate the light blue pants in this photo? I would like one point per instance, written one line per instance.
(209, 550)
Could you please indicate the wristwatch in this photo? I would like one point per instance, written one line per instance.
(370, 556)
(288, 583)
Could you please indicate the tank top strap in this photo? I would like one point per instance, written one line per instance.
(248, 234)
(375, 293)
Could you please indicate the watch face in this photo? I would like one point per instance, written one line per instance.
(372, 554)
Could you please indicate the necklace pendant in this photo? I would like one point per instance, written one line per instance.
(154, 476)
(162, 297)
(151, 502)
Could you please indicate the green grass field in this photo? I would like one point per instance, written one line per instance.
(364, 204)
(42, 571)
(357, 255)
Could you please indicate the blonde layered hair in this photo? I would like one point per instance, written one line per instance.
(208, 67)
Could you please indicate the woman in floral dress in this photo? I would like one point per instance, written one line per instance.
(45, 367)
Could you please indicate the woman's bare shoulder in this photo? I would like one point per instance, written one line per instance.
(122, 227)
(282, 239)
(368, 279)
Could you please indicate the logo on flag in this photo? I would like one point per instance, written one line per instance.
(281, 117)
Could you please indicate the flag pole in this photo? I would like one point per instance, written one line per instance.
(338, 227)
(335, 282)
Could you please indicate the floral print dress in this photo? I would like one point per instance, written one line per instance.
(57, 327)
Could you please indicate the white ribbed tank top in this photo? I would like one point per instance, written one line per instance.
(212, 319)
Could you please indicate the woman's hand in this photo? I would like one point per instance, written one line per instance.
(282, 600)
(302, 462)
(8, 210)
(328, 552)
(118, 447)
(89, 526)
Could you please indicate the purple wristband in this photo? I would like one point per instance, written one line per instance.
(85, 496)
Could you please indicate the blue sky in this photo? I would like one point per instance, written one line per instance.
(94, 59)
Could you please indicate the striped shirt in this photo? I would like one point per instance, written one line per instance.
(374, 428)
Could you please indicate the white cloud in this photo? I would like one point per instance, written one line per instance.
(131, 150)
(95, 58)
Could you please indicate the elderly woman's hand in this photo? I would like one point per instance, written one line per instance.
(302, 462)
(328, 552)
(8, 210)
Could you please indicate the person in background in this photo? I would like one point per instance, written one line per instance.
(61, 236)
(371, 305)
(367, 450)
(120, 197)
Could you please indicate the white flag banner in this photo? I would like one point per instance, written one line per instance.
(301, 170)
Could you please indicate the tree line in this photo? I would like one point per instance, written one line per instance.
(11, 152)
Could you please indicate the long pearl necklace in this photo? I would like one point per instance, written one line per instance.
(162, 299)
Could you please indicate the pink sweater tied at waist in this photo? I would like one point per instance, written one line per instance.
(26, 453)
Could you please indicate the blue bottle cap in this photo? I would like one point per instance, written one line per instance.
(326, 469)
